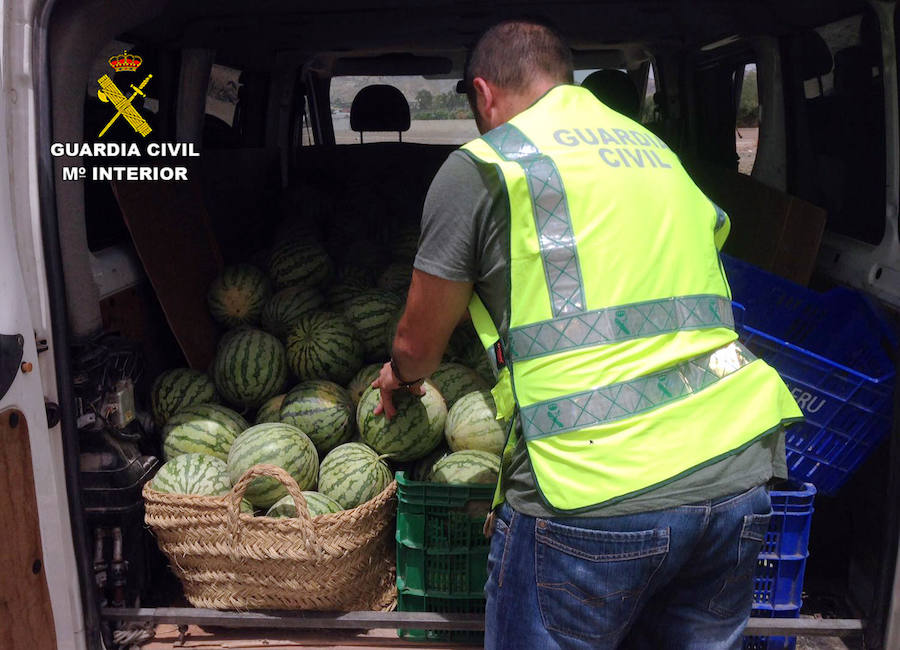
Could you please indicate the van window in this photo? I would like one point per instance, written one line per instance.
(747, 117)
(439, 115)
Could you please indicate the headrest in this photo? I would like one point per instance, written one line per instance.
(815, 60)
(379, 108)
(853, 71)
(615, 89)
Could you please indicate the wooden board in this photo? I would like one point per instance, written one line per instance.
(167, 637)
(171, 233)
(26, 619)
(773, 230)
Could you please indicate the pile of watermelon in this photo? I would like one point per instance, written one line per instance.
(305, 331)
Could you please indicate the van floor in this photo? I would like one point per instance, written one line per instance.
(167, 637)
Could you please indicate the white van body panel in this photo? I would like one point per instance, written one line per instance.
(24, 308)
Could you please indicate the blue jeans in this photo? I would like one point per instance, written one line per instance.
(676, 579)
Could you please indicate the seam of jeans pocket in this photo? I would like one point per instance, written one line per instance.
(637, 592)
(548, 527)
(503, 556)
(658, 549)
(744, 538)
(750, 522)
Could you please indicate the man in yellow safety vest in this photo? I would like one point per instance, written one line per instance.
(632, 502)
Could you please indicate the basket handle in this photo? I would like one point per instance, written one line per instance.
(271, 471)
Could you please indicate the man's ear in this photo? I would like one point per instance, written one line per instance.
(484, 96)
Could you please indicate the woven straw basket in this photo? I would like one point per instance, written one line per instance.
(226, 559)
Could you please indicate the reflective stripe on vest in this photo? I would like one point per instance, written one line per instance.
(551, 217)
(624, 399)
(613, 324)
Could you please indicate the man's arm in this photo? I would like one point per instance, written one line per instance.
(434, 307)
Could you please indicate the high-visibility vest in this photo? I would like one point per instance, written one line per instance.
(620, 360)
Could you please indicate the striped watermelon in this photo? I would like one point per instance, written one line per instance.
(270, 410)
(362, 380)
(203, 429)
(321, 409)
(193, 474)
(237, 295)
(299, 263)
(416, 428)
(404, 245)
(339, 292)
(246, 506)
(323, 345)
(455, 380)
(422, 469)
(396, 277)
(284, 308)
(469, 466)
(275, 444)
(371, 313)
(357, 272)
(353, 473)
(477, 359)
(250, 368)
(316, 504)
(472, 424)
(175, 389)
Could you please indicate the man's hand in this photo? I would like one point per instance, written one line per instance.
(433, 308)
(387, 383)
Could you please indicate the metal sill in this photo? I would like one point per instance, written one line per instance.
(434, 621)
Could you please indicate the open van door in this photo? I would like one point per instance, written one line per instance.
(40, 605)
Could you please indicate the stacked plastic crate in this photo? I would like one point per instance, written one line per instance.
(778, 580)
(441, 551)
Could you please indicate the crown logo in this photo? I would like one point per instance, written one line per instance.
(125, 62)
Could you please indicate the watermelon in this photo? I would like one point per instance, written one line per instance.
(365, 255)
(316, 504)
(371, 313)
(455, 380)
(396, 277)
(362, 380)
(462, 342)
(202, 428)
(421, 471)
(246, 506)
(469, 466)
(270, 410)
(353, 473)
(472, 424)
(322, 409)
(284, 308)
(237, 295)
(250, 368)
(339, 292)
(416, 428)
(175, 389)
(476, 358)
(323, 345)
(299, 263)
(404, 245)
(275, 444)
(193, 474)
(355, 272)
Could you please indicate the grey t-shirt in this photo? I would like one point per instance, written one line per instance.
(465, 239)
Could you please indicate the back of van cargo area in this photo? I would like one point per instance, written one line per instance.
(157, 149)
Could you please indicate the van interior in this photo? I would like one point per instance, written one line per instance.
(779, 109)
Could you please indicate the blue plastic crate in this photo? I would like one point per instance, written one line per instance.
(828, 349)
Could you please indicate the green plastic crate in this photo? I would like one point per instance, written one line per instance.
(435, 516)
(441, 552)
(439, 572)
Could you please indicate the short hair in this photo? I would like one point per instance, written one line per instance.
(512, 52)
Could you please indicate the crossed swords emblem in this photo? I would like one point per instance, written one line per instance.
(109, 92)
